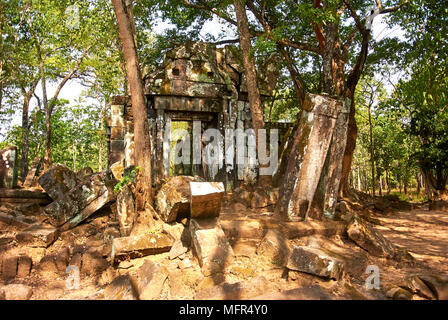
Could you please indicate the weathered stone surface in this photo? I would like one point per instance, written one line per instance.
(274, 247)
(139, 246)
(173, 199)
(205, 199)
(84, 173)
(148, 280)
(17, 291)
(417, 286)
(85, 199)
(365, 236)
(236, 291)
(397, 293)
(32, 175)
(211, 246)
(315, 261)
(178, 249)
(57, 181)
(24, 265)
(120, 289)
(8, 167)
(38, 235)
(126, 211)
(9, 267)
(438, 284)
(54, 264)
(93, 262)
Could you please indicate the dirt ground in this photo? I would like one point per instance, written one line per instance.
(422, 232)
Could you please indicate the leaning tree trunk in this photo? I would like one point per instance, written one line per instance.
(256, 107)
(142, 152)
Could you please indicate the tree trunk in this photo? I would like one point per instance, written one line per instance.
(256, 107)
(352, 134)
(142, 152)
(372, 151)
(27, 95)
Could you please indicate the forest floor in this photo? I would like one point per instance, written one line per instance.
(422, 232)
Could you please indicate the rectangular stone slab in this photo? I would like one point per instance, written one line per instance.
(315, 261)
(205, 199)
(140, 246)
(81, 201)
(57, 181)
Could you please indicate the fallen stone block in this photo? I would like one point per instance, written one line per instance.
(211, 246)
(17, 220)
(236, 291)
(54, 264)
(205, 199)
(17, 196)
(32, 175)
(8, 168)
(38, 235)
(24, 265)
(173, 199)
(179, 248)
(82, 201)
(93, 262)
(17, 291)
(365, 236)
(9, 267)
(84, 173)
(419, 287)
(139, 246)
(57, 181)
(398, 293)
(148, 280)
(315, 261)
(117, 169)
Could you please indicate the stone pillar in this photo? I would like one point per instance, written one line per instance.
(8, 167)
(309, 154)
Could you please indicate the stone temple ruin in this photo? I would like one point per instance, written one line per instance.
(201, 87)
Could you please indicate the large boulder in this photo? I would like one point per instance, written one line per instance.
(139, 246)
(173, 199)
(57, 181)
(82, 201)
(211, 246)
(205, 199)
(365, 236)
(315, 261)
